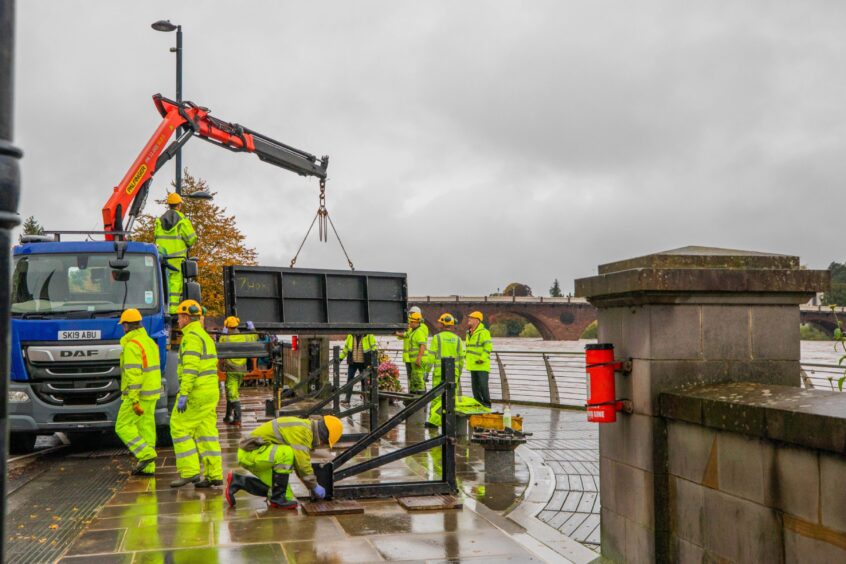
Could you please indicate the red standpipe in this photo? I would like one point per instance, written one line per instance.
(602, 406)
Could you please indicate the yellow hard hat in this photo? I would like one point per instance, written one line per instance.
(189, 307)
(231, 322)
(336, 428)
(477, 315)
(414, 316)
(446, 319)
(130, 315)
(173, 198)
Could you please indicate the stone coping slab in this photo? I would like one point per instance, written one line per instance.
(705, 257)
(814, 419)
(801, 283)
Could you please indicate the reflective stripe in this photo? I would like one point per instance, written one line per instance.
(182, 439)
(186, 453)
(207, 439)
(134, 387)
(207, 373)
(191, 353)
(299, 447)
(139, 448)
(133, 441)
(148, 393)
(177, 254)
(282, 467)
(130, 366)
(272, 454)
(150, 369)
(190, 371)
(211, 453)
(276, 430)
(167, 237)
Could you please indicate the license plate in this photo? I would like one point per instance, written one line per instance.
(79, 335)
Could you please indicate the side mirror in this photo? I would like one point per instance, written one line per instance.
(193, 292)
(189, 269)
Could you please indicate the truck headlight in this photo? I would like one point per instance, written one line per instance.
(18, 397)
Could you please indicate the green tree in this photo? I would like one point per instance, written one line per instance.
(555, 291)
(31, 227)
(219, 241)
(517, 289)
(837, 295)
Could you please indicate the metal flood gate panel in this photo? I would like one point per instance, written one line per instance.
(316, 301)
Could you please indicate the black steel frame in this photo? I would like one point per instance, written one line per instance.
(331, 472)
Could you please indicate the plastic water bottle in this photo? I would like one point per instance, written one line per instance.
(506, 417)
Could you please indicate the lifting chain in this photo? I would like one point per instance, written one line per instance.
(322, 217)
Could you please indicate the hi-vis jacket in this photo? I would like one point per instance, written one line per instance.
(197, 368)
(141, 376)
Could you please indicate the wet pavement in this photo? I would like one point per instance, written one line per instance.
(141, 519)
(147, 521)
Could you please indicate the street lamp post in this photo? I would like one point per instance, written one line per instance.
(166, 26)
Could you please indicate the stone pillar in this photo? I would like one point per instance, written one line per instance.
(685, 317)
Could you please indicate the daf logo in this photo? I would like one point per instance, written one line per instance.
(78, 354)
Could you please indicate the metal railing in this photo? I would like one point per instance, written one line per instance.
(558, 378)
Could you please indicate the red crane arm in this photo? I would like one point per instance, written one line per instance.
(131, 193)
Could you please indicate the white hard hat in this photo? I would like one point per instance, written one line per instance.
(415, 309)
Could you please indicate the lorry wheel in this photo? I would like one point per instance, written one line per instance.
(22, 443)
(163, 438)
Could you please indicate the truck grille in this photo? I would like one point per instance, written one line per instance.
(57, 380)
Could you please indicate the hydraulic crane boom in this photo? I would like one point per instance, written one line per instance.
(130, 195)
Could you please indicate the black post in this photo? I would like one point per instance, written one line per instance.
(336, 377)
(448, 423)
(10, 181)
(179, 99)
(373, 358)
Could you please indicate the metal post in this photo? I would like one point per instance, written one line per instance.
(553, 385)
(9, 193)
(181, 130)
(448, 424)
(336, 377)
(503, 379)
(374, 389)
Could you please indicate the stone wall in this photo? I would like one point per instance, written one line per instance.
(757, 473)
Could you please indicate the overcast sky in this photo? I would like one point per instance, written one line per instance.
(471, 143)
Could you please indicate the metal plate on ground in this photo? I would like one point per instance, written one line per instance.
(430, 502)
(337, 507)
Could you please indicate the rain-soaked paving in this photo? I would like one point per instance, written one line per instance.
(147, 521)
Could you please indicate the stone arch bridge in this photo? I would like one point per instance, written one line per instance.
(565, 319)
(823, 317)
(556, 319)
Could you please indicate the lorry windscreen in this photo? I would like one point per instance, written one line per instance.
(57, 284)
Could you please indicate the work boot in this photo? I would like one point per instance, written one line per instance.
(237, 482)
(226, 418)
(208, 483)
(142, 464)
(278, 491)
(236, 418)
(184, 481)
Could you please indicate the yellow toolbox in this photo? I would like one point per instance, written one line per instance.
(494, 421)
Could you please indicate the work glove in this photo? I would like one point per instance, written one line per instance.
(319, 492)
(136, 407)
(251, 326)
(182, 404)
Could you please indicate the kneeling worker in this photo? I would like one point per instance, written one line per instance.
(275, 448)
(140, 385)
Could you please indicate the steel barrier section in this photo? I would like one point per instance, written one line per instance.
(316, 301)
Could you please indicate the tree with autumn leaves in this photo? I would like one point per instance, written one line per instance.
(219, 241)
